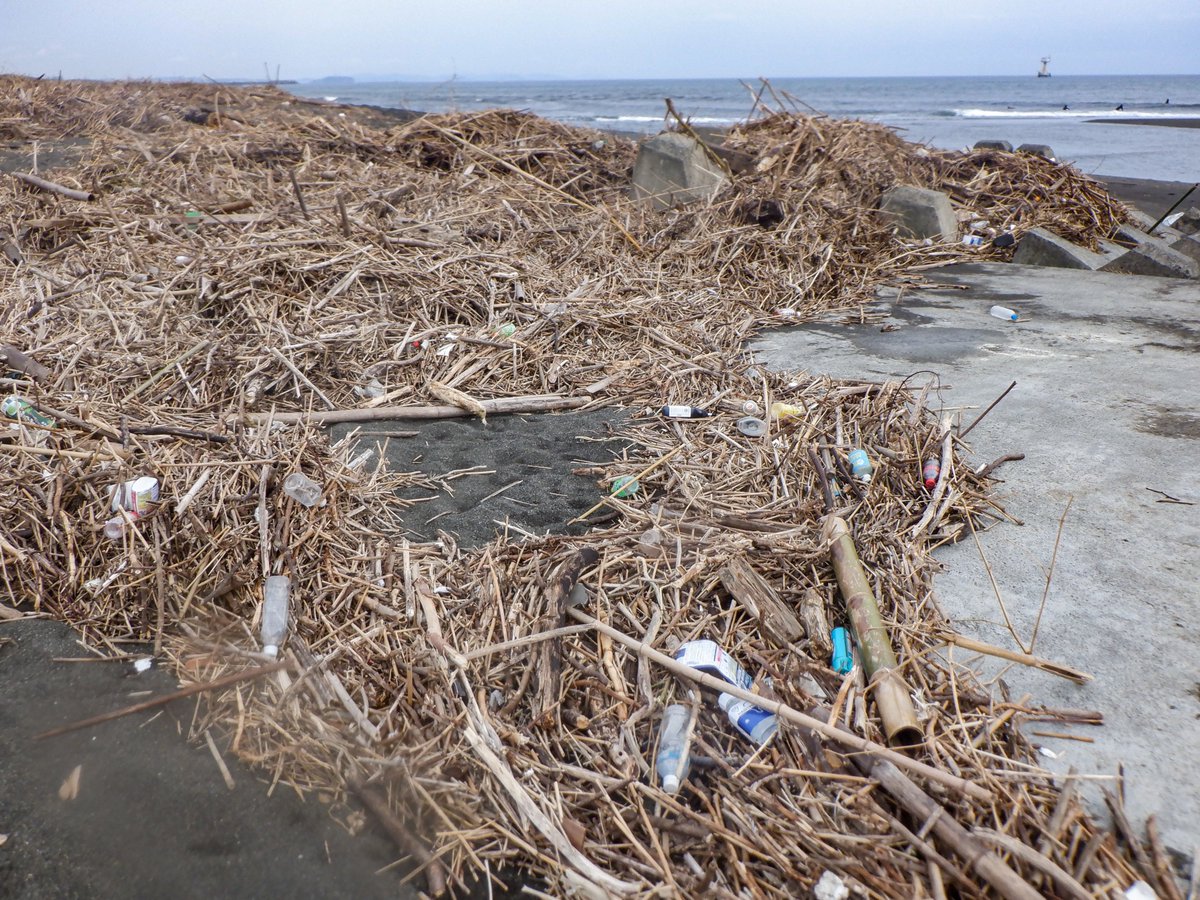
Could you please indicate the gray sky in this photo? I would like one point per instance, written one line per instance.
(598, 39)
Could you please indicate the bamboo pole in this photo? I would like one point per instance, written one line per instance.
(879, 660)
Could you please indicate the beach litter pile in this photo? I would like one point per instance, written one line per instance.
(251, 267)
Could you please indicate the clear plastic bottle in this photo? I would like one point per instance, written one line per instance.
(1003, 312)
(275, 612)
(756, 724)
(671, 763)
(302, 489)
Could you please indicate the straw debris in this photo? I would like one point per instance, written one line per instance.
(249, 255)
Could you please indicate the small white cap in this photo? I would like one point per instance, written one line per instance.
(671, 784)
(271, 650)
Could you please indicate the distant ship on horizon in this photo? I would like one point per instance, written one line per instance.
(1044, 72)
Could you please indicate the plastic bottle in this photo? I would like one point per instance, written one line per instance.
(275, 613)
(860, 465)
(684, 412)
(930, 472)
(671, 764)
(842, 660)
(624, 486)
(115, 527)
(756, 724)
(1003, 312)
(20, 408)
(302, 489)
(786, 412)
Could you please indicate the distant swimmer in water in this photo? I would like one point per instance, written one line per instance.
(1119, 107)
(1065, 106)
(1167, 102)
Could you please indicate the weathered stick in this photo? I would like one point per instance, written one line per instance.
(879, 660)
(190, 690)
(43, 184)
(787, 713)
(12, 358)
(985, 471)
(1024, 659)
(979, 418)
(402, 837)
(990, 867)
(499, 406)
(1065, 881)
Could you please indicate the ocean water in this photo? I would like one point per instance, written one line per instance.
(949, 113)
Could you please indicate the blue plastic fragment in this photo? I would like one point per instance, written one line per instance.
(843, 659)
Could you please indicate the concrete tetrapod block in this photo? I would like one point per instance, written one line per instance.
(674, 168)
(1143, 229)
(1154, 257)
(994, 145)
(1040, 247)
(920, 212)
(1188, 246)
(1189, 222)
(1043, 150)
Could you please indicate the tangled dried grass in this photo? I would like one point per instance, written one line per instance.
(253, 259)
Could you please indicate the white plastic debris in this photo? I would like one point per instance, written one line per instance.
(830, 887)
(143, 665)
(1139, 890)
(1047, 752)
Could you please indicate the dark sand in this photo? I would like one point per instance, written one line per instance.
(523, 471)
(1152, 197)
(153, 817)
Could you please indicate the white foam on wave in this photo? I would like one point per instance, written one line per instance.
(1108, 113)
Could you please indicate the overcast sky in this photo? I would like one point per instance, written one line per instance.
(597, 39)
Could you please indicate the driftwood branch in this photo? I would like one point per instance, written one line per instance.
(43, 184)
(501, 406)
(12, 358)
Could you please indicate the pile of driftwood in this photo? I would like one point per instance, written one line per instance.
(240, 277)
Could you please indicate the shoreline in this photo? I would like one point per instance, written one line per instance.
(1190, 122)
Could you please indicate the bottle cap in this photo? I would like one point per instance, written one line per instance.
(271, 650)
(671, 783)
(751, 426)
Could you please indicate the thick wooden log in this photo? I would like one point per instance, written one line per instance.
(759, 599)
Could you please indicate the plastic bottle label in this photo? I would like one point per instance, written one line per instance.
(746, 717)
(707, 656)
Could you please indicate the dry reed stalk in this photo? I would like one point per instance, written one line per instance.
(490, 254)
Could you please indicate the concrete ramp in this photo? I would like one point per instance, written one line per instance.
(1107, 413)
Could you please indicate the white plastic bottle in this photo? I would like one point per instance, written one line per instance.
(671, 764)
(275, 613)
(1003, 312)
(756, 724)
